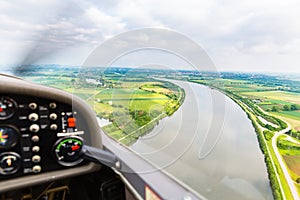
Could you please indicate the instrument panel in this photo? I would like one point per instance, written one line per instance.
(37, 135)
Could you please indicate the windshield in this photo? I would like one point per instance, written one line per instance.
(208, 93)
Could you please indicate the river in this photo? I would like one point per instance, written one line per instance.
(209, 145)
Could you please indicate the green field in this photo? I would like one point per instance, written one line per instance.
(290, 114)
(135, 109)
(294, 121)
(124, 93)
(290, 151)
(282, 96)
(133, 105)
(279, 99)
(283, 181)
(268, 97)
(134, 99)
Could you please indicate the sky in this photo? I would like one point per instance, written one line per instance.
(256, 35)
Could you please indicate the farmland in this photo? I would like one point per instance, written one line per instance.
(268, 101)
(133, 105)
(275, 98)
(276, 95)
(279, 103)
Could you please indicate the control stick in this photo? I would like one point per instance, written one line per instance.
(100, 156)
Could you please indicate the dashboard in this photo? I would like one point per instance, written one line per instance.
(42, 131)
(37, 135)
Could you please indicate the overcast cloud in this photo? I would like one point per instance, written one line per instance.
(257, 35)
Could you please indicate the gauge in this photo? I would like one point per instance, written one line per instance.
(10, 163)
(67, 151)
(8, 107)
(8, 137)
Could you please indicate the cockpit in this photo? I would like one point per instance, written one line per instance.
(119, 100)
(44, 134)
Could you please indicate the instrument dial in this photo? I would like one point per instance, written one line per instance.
(10, 163)
(67, 151)
(8, 107)
(8, 137)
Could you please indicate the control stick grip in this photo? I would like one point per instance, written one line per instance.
(100, 156)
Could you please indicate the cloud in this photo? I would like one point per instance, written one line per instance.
(260, 31)
(35, 29)
(246, 29)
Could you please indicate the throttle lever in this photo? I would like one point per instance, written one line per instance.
(100, 156)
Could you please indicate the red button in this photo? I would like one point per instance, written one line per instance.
(76, 147)
(71, 122)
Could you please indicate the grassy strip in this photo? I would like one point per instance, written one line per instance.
(282, 179)
(264, 148)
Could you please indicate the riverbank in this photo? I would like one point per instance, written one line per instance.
(278, 176)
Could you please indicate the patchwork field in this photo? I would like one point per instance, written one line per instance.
(134, 99)
(279, 104)
(294, 121)
(282, 96)
(293, 163)
(132, 105)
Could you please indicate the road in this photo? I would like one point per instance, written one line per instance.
(278, 156)
(280, 159)
(281, 162)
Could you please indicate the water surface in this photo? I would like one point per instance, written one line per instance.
(210, 145)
